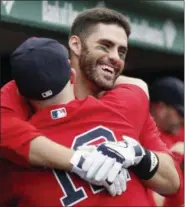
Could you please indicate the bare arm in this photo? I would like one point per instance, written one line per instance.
(178, 200)
(159, 200)
(45, 152)
(23, 144)
(166, 179)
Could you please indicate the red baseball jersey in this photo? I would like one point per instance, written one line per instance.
(122, 111)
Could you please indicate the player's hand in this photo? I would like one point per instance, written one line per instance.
(144, 163)
(119, 185)
(91, 164)
(78, 159)
(96, 168)
(99, 166)
(127, 152)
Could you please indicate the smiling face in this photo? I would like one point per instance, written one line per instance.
(103, 55)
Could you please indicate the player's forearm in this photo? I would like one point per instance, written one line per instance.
(45, 152)
(159, 200)
(166, 179)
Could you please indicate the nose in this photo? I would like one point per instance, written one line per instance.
(115, 58)
(113, 54)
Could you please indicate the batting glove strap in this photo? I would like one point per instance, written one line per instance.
(148, 166)
(111, 153)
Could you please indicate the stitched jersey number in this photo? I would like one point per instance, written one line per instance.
(74, 195)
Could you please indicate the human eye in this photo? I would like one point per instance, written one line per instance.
(104, 48)
(122, 54)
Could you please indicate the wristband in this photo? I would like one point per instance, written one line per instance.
(148, 166)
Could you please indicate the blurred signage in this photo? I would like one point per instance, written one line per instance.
(8, 5)
(59, 14)
(163, 37)
(158, 33)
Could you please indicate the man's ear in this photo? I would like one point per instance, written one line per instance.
(75, 45)
(73, 76)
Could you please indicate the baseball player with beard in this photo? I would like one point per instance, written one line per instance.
(98, 47)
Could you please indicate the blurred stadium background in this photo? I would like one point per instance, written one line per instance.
(156, 46)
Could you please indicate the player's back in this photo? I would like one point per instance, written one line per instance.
(80, 122)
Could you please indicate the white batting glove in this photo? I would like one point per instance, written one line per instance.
(119, 185)
(99, 166)
(96, 168)
(87, 161)
(78, 160)
(144, 163)
(128, 152)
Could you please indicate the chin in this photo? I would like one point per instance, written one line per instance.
(105, 86)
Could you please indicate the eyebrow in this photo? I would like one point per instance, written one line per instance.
(122, 48)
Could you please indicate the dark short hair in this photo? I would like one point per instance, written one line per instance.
(86, 20)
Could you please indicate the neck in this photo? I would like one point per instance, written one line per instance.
(64, 97)
(37, 105)
(83, 87)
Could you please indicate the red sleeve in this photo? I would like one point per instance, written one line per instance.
(125, 92)
(16, 133)
(149, 134)
(132, 102)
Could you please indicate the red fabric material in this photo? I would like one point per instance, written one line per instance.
(16, 133)
(82, 117)
(123, 111)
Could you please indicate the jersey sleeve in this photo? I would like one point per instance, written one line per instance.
(121, 91)
(149, 133)
(129, 94)
(16, 132)
(131, 101)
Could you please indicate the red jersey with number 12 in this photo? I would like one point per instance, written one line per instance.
(122, 111)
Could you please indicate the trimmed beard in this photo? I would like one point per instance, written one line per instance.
(88, 67)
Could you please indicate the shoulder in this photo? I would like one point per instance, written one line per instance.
(9, 94)
(133, 81)
(10, 86)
